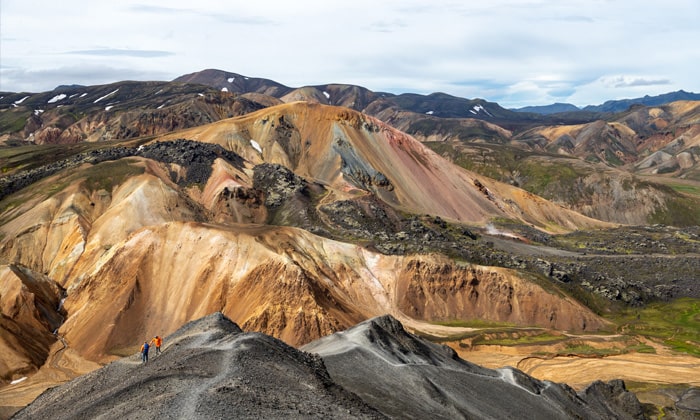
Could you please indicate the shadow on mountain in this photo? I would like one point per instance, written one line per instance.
(209, 368)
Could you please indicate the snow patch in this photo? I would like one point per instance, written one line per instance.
(327, 95)
(107, 108)
(38, 111)
(83, 95)
(508, 376)
(16, 381)
(73, 95)
(246, 78)
(231, 79)
(19, 101)
(430, 112)
(159, 91)
(224, 89)
(200, 94)
(480, 108)
(57, 98)
(161, 106)
(256, 145)
(106, 96)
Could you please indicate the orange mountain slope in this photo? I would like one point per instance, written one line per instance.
(348, 151)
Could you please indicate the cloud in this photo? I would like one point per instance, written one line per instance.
(532, 52)
(563, 92)
(232, 17)
(632, 81)
(578, 18)
(387, 27)
(23, 80)
(115, 52)
(237, 19)
(160, 10)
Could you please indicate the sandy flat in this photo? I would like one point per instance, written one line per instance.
(580, 371)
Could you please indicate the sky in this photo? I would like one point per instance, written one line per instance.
(514, 52)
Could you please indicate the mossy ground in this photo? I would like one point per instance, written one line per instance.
(675, 325)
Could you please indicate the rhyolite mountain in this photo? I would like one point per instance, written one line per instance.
(132, 208)
(210, 368)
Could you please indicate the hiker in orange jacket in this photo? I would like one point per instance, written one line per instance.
(157, 341)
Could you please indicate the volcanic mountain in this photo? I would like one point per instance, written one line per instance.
(210, 368)
(74, 114)
(351, 152)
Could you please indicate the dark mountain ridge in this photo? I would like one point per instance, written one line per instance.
(624, 104)
(209, 368)
(549, 109)
(436, 104)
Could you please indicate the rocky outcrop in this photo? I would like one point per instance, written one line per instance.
(30, 313)
(197, 157)
(378, 357)
(439, 290)
(209, 368)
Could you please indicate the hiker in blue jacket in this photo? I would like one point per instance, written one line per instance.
(144, 352)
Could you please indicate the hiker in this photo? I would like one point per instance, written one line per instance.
(144, 352)
(157, 341)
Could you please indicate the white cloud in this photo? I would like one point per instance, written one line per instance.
(528, 52)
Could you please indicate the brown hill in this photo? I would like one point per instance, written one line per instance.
(659, 139)
(350, 152)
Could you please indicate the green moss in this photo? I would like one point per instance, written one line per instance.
(543, 338)
(640, 348)
(687, 189)
(585, 349)
(13, 121)
(612, 158)
(106, 175)
(678, 211)
(675, 324)
(474, 323)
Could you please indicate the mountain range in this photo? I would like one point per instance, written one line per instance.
(133, 208)
(617, 105)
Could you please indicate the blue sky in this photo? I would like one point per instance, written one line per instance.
(516, 53)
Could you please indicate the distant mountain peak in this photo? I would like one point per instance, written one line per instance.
(549, 109)
(647, 100)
